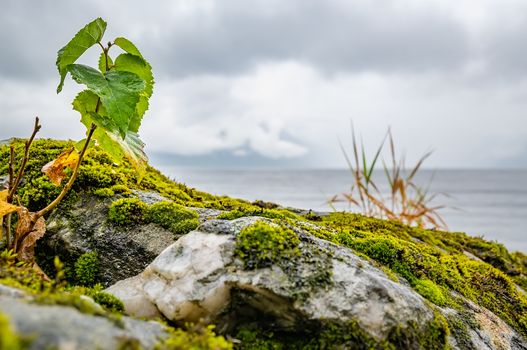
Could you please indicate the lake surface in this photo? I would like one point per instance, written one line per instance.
(489, 203)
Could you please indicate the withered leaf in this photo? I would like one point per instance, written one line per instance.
(6, 208)
(26, 250)
(55, 169)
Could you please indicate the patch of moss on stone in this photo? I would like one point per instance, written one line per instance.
(120, 189)
(260, 245)
(430, 291)
(99, 171)
(127, 212)
(411, 253)
(184, 226)
(172, 216)
(108, 301)
(250, 210)
(104, 192)
(87, 269)
(460, 333)
(231, 215)
(194, 338)
(348, 335)
(55, 292)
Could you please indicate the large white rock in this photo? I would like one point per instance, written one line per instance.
(198, 277)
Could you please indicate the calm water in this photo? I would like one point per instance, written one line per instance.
(489, 203)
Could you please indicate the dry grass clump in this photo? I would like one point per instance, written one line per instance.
(407, 202)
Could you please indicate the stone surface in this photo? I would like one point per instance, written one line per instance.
(485, 330)
(64, 328)
(122, 252)
(198, 277)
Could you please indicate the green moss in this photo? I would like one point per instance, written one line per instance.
(87, 269)
(460, 332)
(99, 171)
(172, 216)
(184, 226)
(251, 210)
(121, 189)
(104, 192)
(348, 335)
(55, 292)
(108, 301)
(261, 245)
(194, 338)
(430, 291)
(412, 253)
(231, 215)
(442, 263)
(252, 338)
(127, 212)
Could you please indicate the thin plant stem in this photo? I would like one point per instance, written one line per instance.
(23, 164)
(71, 180)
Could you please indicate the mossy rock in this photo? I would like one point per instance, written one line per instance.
(261, 245)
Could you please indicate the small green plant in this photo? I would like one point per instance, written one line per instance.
(111, 108)
(407, 202)
(127, 211)
(260, 245)
(87, 269)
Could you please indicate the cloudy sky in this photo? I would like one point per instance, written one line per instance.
(274, 82)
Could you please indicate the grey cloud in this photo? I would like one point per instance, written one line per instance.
(506, 51)
(322, 33)
(236, 35)
(31, 32)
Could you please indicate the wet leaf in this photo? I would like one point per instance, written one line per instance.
(55, 169)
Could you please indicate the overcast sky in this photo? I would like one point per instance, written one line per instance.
(278, 81)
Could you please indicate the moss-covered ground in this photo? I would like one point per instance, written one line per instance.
(434, 263)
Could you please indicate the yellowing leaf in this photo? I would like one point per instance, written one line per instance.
(6, 208)
(55, 169)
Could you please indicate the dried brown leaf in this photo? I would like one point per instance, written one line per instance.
(55, 169)
(31, 232)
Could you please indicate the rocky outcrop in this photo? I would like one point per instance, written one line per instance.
(63, 327)
(201, 277)
(122, 252)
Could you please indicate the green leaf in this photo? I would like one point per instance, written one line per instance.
(107, 135)
(87, 37)
(127, 46)
(129, 63)
(119, 92)
(102, 62)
